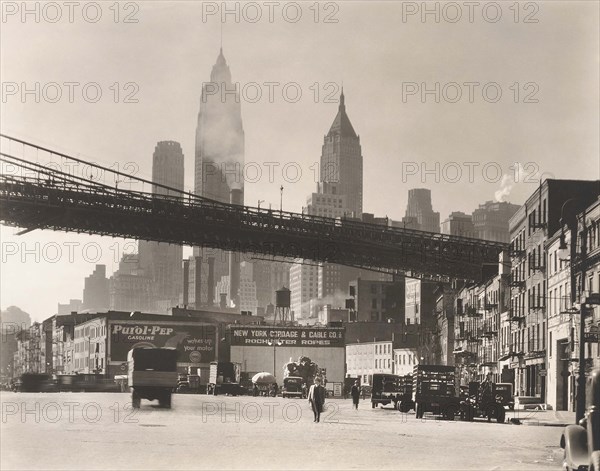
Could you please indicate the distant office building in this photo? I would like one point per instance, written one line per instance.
(420, 300)
(459, 224)
(247, 290)
(342, 161)
(405, 359)
(490, 220)
(269, 276)
(329, 313)
(303, 287)
(162, 262)
(95, 291)
(377, 300)
(420, 211)
(328, 202)
(74, 305)
(130, 289)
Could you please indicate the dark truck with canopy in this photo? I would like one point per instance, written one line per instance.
(388, 388)
(224, 378)
(152, 374)
(436, 390)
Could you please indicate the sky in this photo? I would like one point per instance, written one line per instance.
(475, 107)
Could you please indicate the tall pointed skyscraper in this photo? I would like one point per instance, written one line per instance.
(219, 163)
(340, 193)
(219, 136)
(342, 161)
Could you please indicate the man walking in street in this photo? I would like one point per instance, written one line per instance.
(355, 393)
(316, 398)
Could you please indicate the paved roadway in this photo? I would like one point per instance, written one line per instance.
(100, 431)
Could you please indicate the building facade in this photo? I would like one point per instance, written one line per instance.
(96, 291)
(129, 287)
(379, 301)
(459, 224)
(490, 220)
(161, 262)
(303, 287)
(530, 229)
(419, 211)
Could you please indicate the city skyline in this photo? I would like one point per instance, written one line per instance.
(388, 126)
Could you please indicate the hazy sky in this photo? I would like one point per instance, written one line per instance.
(383, 58)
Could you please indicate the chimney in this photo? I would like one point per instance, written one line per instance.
(236, 196)
(211, 282)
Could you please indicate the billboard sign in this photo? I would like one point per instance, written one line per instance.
(195, 343)
(287, 336)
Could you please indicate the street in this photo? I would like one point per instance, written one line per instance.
(101, 431)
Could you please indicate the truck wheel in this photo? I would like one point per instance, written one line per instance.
(135, 400)
(372, 405)
(450, 412)
(164, 400)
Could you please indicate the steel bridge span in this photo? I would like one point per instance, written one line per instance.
(46, 198)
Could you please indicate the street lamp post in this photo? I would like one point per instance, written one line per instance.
(275, 343)
(569, 218)
(281, 199)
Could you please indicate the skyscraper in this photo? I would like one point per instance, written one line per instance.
(419, 211)
(162, 262)
(342, 160)
(219, 161)
(490, 220)
(459, 224)
(95, 291)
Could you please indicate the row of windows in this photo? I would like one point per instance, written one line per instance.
(90, 331)
(382, 362)
(383, 349)
(404, 359)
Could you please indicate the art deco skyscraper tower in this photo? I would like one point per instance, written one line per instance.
(219, 136)
(342, 161)
(219, 162)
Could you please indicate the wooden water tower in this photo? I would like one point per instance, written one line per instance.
(282, 306)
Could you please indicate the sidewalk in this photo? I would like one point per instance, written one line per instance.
(544, 418)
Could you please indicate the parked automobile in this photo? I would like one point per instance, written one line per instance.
(293, 386)
(35, 382)
(581, 442)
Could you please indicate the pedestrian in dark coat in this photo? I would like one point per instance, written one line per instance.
(316, 398)
(355, 393)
